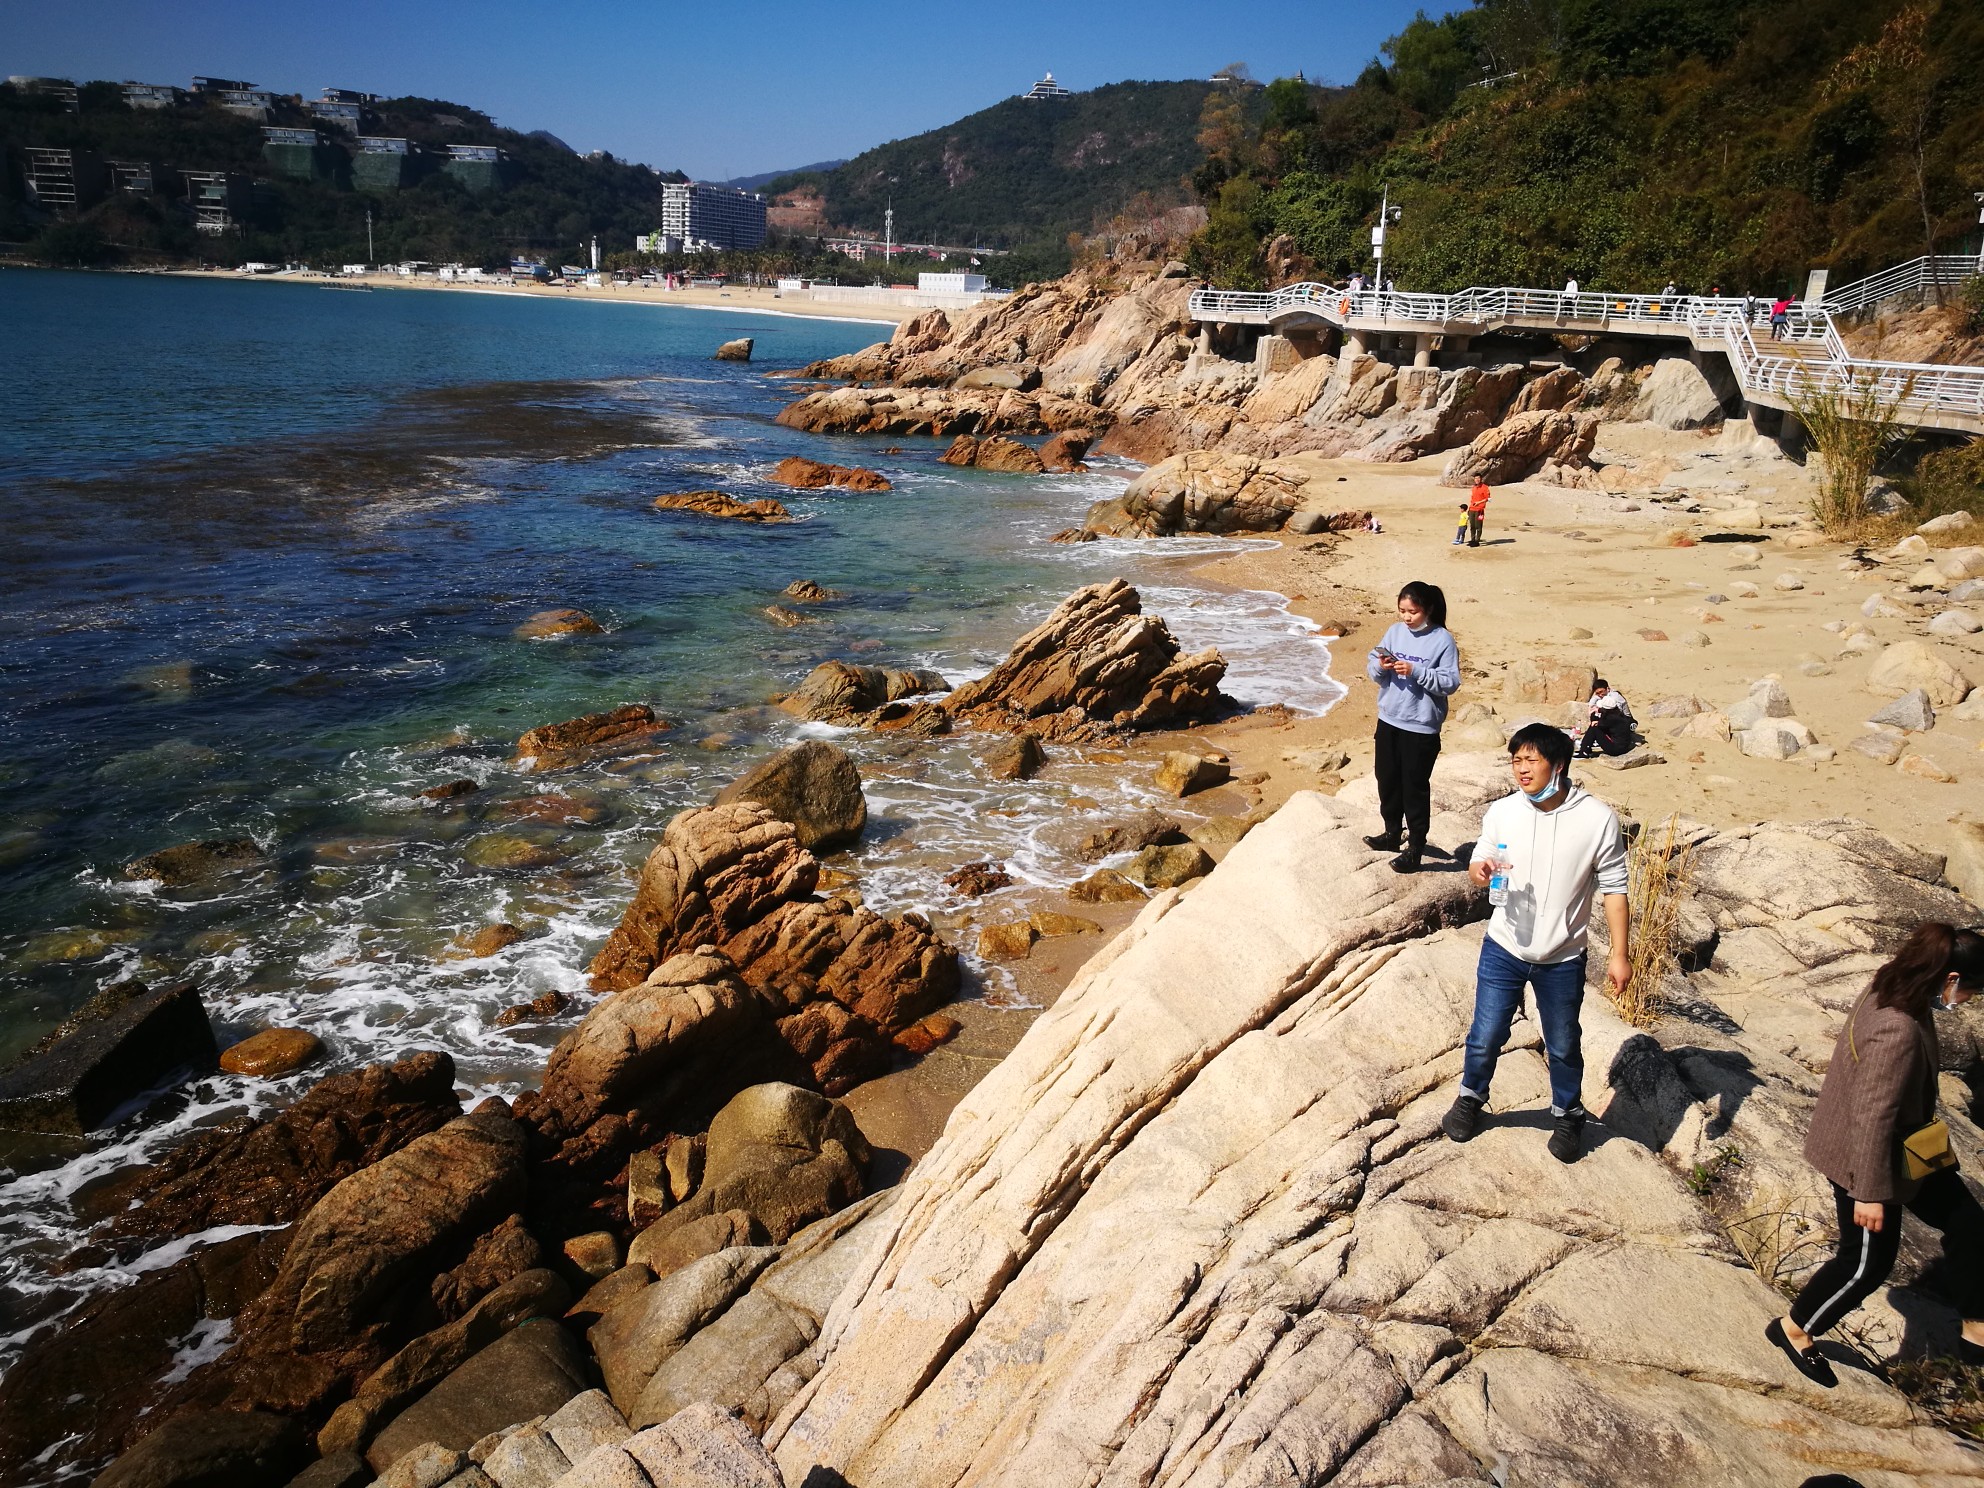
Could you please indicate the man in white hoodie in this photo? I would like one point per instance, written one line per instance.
(1559, 846)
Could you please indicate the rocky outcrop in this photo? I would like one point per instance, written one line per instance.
(560, 746)
(1202, 491)
(192, 863)
(735, 351)
(717, 504)
(1065, 451)
(124, 1042)
(1549, 445)
(939, 413)
(1676, 395)
(1200, 1226)
(993, 452)
(1097, 662)
(809, 475)
(812, 785)
(843, 692)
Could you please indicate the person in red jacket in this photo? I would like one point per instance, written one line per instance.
(1473, 512)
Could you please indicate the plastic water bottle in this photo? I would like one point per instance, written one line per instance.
(1498, 881)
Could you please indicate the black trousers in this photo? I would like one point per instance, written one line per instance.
(1861, 1266)
(1405, 774)
(1609, 731)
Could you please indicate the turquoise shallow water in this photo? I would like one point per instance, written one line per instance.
(267, 546)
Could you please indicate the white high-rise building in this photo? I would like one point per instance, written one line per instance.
(703, 216)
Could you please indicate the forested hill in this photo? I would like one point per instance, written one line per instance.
(1026, 169)
(1624, 142)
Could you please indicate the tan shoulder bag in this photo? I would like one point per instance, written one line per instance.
(1925, 1150)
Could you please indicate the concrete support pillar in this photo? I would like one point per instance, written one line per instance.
(1422, 349)
(1354, 344)
(1204, 343)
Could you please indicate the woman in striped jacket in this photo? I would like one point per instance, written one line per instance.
(1879, 1089)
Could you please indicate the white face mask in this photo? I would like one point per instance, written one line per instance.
(1537, 798)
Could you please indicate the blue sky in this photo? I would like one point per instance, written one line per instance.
(716, 89)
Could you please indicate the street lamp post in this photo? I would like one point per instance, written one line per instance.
(1387, 215)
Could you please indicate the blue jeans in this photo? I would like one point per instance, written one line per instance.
(1498, 983)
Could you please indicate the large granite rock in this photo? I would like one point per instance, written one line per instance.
(809, 475)
(843, 692)
(1676, 395)
(812, 785)
(211, 1449)
(1097, 661)
(530, 1371)
(1550, 445)
(1200, 1227)
(559, 746)
(1202, 491)
(721, 504)
(124, 1043)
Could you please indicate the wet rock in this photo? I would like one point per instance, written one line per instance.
(994, 452)
(1142, 830)
(1048, 924)
(805, 591)
(123, 1043)
(1065, 451)
(1018, 758)
(787, 619)
(842, 692)
(1168, 867)
(530, 1371)
(927, 1033)
(1182, 773)
(806, 475)
(545, 1005)
(269, 1171)
(484, 940)
(1097, 661)
(547, 623)
(556, 808)
(558, 746)
(976, 879)
(193, 863)
(1012, 941)
(814, 786)
(735, 351)
(1552, 445)
(272, 1052)
(717, 504)
(513, 852)
(211, 1449)
(452, 790)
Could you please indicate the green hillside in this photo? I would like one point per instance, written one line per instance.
(1026, 170)
(1626, 142)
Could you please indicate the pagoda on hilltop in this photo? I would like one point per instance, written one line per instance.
(1047, 88)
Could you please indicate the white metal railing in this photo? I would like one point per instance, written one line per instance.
(1925, 390)
(1913, 277)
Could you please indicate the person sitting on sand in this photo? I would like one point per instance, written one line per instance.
(1608, 722)
(1875, 1136)
(1417, 668)
(1554, 846)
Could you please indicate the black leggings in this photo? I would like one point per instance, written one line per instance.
(1405, 774)
(1857, 1271)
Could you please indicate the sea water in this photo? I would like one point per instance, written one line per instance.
(265, 548)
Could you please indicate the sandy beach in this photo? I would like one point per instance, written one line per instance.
(755, 301)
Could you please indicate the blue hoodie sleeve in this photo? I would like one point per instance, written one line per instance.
(1441, 676)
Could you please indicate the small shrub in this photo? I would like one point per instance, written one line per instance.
(1948, 480)
(1970, 305)
(1656, 880)
(1852, 425)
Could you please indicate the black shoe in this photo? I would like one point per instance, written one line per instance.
(1567, 1139)
(1463, 1119)
(1407, 861)
(1386, 842)
(1808, 1362)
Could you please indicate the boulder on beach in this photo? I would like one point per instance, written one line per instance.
(559, 746)
(1097, 662)
(1202, 491)
(813, 785)
(806, 475)
(718, 504)
(121, 1045)
(1549, 445)
(735, 351)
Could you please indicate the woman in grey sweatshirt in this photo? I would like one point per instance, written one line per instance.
(1417, 668)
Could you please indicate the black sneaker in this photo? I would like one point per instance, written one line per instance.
(1407, 861)
(1567, 1139)
(1463, 1119)
(1808, 1362)
(1385, 842)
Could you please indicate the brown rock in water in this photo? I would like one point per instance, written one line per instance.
(558, 746)
(1183, 773)
(120, 1044)
(544, 1005)
(735, 351)
(1096, 662)
(555, 808)
(717, 504)
(452, 790)
(1012, 941)
(813, 785)
(485, 940)
(807, 475)
(1049, 924)
(1064, 451)
(196, 862)
(842, 692)
(1017, 758)
(994, 452)
(805, 591)
(272, 1052)
(1202, 491)
(557, 623)
(975, 879)
(927, 1033)
(269, 1171)
(512, 852)
(1551, 445)
(1141, 830)
(787, 619)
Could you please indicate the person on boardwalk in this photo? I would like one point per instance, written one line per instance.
(1473, 512)
(1550, 846)
(1780, 317)
(1875, 1137)
(1568, 305)
(1417, 668)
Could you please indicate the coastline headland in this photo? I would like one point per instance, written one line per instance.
(1190, 1220)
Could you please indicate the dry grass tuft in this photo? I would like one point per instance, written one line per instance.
(1851, 426)
(1657, 878)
